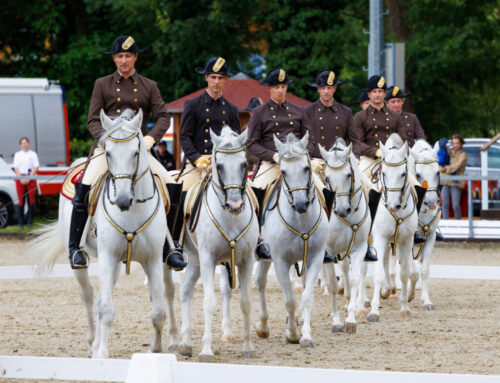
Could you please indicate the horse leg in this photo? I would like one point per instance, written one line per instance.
(153, 269)
(329, 269)
(282, 272)
(425, 272)
(406, 260)
(355, 302)
(380, 245)
(207, 269)
(297, 282)
(344, 266)
(226, 293)
(393, 260)
(324, 282)
(340, 284)
(245, 269)
(173, 343)
(261, 281)
(186, 294)
(362, 296)
(312, 273)
(87, 297)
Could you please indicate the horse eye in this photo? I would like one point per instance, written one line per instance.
(418, 176)
(348, 175)
(403, 175)
(306, 168)
(136, 154)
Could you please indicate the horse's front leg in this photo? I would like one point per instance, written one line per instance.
(311, 277)
(324, 282)
(282, 273)
(407, 270)
(344, 270)
(355, 309)
(245, 269)
(207, 269)
(186, 294)
(109, 269)
(87, 297)
(393, 260)
(154, 272)
(261, 281)
(173, 343)
(425, 264)
(331, 277)
(380, 244)
(226, 293)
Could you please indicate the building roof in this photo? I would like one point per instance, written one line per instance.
(238, 90)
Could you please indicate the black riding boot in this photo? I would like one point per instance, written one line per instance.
(418, 239)
(262, 252)
(439, 236)
(78, 258)
(329, 197)
(373, 201)
(175, 218)
(29, 218)
(19, 211)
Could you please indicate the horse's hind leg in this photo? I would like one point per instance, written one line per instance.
(245, 275)
(331, 277)
(153, 269)
(407, 268)
(173, 342)
(87, 297)
(261, 281)
(226, 292)
(186, 294)
(282, 272)
(425, 259)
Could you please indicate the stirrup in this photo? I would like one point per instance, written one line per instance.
(371, 256)
(177, 263)
(418, 239)
(328, 258)
(262, 252)
(79, 259)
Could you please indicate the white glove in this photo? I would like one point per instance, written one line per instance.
(149, 141)
(378, 153)
(276, 158)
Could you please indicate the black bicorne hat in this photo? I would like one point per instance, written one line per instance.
(326, 77)
(363, 97)
(254, 103)
(376, 82)
(275, 77)
(215, 65)
(395, 92)
(124, 44)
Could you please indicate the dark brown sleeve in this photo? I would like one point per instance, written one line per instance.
(160, 114)
(254, 145)
(235, 120)
(306, 127)
(350, 133)
(361, 145)
(400, 129)
(419, 132)
(96, 104)
(188, 123)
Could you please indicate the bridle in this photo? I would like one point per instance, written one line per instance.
(308, 188)
(402, 190)
(438, 188)
(352, 192)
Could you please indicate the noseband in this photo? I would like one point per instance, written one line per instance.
(309, 186)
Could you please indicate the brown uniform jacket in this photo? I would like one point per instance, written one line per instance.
(458, 162)
(329, 123)
(114, 94)
(371, 126)
(413, 128)
(201, 114)
(271, 118)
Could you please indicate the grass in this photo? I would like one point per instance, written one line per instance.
(37, 223)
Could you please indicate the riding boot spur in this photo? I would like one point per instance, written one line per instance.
(373, 201)
(418, 239)
(262, 252)
(78, 258)
(175, 218)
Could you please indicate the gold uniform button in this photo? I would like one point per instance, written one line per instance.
(376, 143)
(207, 110)
(205, 140)
(135, 82)
(136, 99)
(373, 119)
(118, 110)
(118, 99)
(272, 108)
(223, 103)
(406, 116)
(287, 108)
(206, 130)
(386, 113)
(223, 122)
(387, 127)
(387, 119)
(289, 115)
(205, 151)
(336, 117)
(207, 120)
(376, 126)
(135, 90)
(278, 133)
(223, 112)
(291, 122)
(117, 89)
(117, 81)
(274, 116)
(322, 137)
(321, 118)
(407, 124)
(319, 109)
(337, 127)
(386, 136)
(409, 134)
(336, 136)
(376, 135)
(135, 111)
(276, 124)
(321, 128)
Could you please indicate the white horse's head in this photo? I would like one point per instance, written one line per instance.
(229, 167)
(427, 171)
(124, 147)
(394, 173)
(340, 175)
(295, 167)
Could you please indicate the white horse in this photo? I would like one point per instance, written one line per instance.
(427, 171)
(129, 222)
(296, 230)
(227, 233)
(396, 222)
(349, 227)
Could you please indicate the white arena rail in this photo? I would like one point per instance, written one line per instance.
(164, 368)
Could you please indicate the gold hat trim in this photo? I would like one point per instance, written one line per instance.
(395, 91)
(128, 43)
(218, 64)
(381, 82)
(260, 100)
(331, 77)
(281, 76)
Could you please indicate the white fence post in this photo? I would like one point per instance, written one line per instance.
(151, 368)
(484, 182)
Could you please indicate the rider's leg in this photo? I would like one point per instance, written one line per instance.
(420, 191)
(373, 200)
(323, 194)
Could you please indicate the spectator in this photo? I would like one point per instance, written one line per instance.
(164, 156)
(458, 161)
(491, 142)
(443, 156)
(25, 164)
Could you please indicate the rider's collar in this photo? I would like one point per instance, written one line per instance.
(322, 107)
(275, 105)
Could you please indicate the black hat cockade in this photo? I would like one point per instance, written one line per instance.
(275, 77)
(395, 92)
(123, 44)
(326, 77)
(363, 97)
(254, 103)
(215, 65)
(376, 82)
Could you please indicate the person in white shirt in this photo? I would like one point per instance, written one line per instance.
(25, 164)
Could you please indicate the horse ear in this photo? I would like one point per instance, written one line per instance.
(305, 140)
(413, 153)
(242, 138)
(405, 149)
(105, 120)
(277, 142)
(436, 148)
(215, 138)
(382, 149)
(137, 120)
(349, 150)
(323, 152)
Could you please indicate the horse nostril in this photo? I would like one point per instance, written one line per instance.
(398, 206)
(348, 210)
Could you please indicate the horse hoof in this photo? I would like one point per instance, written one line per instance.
(306, 343)
(204, 358)
(248, 354)
(429, 307)
(361, 315)
(264, 334)
(173, 348)
(393, 298)
(410, 298)
(228, 339)
(350, 328)
(340, 291)
(373, 318)
(405, 314)
(384, 293)
(186, 350)
(367, 304)
(292, 341)
(337, 328)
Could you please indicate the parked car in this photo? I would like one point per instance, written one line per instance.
(8, 195)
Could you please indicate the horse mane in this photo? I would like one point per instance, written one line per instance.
(424, 150)
(117, 125)
(293, 147)
(394, 142)
(227, 138)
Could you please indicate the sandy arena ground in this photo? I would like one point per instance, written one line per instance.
(45, 317)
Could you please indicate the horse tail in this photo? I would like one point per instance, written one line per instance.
(46, 247)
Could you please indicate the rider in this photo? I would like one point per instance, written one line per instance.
(329, 120)
(124, 89)
(363, 99)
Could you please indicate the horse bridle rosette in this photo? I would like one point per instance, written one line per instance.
(290, 190)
